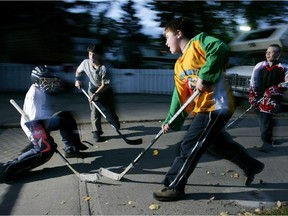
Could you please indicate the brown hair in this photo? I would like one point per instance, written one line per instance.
(183, 24)
(277, 46)
(95, 48)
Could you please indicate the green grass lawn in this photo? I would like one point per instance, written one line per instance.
(276, 211)
(281, 208)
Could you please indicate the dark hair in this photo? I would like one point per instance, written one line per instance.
(183, 24)
(95, 48)
(276, 46)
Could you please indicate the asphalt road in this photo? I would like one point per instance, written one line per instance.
(216, 186)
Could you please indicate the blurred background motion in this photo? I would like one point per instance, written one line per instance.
(57, 33)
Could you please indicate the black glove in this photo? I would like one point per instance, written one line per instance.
(95, 96)
(52, 143)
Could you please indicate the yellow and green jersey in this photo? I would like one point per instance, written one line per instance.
(204, 57)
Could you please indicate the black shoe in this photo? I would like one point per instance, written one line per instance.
(167, 194)
(276, 142)
(255, 168)
(71, 154)
(266, 148)
(80, 147)
(96, 136)
(5, 176)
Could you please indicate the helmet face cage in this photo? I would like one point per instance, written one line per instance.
(50, 84)
(45, 80)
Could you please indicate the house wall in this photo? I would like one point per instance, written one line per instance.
(16, 77)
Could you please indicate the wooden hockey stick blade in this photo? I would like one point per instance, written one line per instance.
(115, 176)
(92, 178)
(109, 174)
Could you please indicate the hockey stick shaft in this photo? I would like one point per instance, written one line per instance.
(283, 84)
(26, 117)
(116, 176)
(139, 156)
(240, 116)
(246, 111)
(19, 110)
(128, 141)
(183, 107)
(190, 99)
(86, 94)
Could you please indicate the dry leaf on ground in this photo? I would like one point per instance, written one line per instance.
(154, 206)
(87, 198)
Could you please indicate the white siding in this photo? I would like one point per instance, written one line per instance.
(16, 77)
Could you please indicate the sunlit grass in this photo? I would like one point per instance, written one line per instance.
(275, 211)
(281, 208)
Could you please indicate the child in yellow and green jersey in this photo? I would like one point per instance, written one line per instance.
(200, 67)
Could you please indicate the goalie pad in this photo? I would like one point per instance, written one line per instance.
(44, 148)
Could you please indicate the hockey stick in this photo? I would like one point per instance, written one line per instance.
(128, 141)
(83, 177)
(109, 174)
(240, 116)
(247, 110)
(283, 84)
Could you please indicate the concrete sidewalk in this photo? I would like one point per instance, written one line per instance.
(130, 107)
(216, 186)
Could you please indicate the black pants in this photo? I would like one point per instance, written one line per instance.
(266, 124)
(105, 103)
(67, 126)
(44, 148)
(206, 129)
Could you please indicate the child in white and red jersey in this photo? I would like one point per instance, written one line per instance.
(266, 89)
